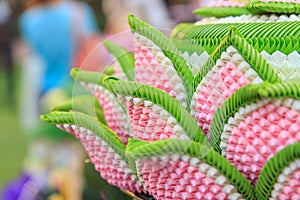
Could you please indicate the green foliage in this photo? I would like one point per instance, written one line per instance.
(221, 11)
(124, 58)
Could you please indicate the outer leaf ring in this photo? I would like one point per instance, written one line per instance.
(258, 7)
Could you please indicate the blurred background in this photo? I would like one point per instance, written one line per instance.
(40, 40)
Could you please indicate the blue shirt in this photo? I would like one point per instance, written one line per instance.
(52, 30)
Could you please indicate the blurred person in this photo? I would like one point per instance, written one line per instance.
(5, 47)
(52, 30)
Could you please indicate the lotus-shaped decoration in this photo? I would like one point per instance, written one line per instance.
(213, 112)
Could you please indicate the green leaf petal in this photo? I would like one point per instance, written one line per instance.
(91, 77)
(253, 57)
(83, 120)
(221, 11)
(85, 104)
(270, 36)
(123, 56)
(258, 7)
(87, 76)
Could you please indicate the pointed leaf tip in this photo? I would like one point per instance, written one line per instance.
(131, 17)
(123, 56)
(74, 72)
(43, 118)
(110, 78)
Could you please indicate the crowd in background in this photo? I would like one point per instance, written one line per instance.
(42, 40)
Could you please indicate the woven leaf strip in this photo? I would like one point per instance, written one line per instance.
(86, 76)
(209, 64)
(258, 7)
(271, 36)
(115, 113)
(278, 90)
(221, 11)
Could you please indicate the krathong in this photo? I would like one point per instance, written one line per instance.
(211, 112)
